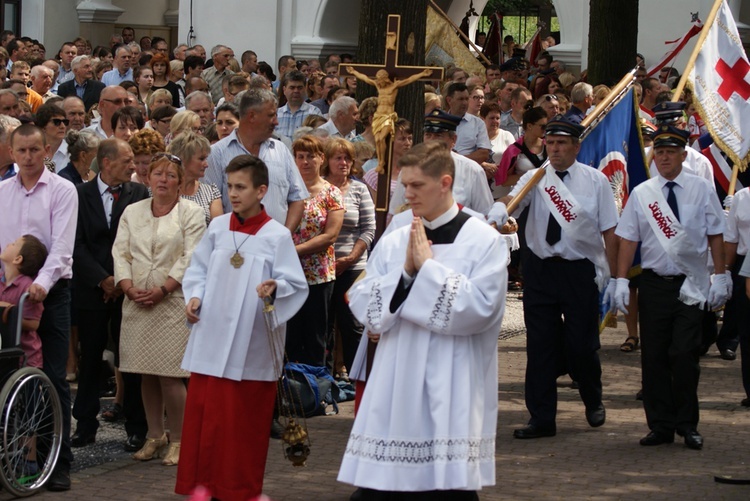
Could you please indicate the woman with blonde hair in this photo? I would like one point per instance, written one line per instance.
(600, 92)
(160, 97)
(193, 150)
(366, 112)
(313, 121)
(181, 122)
(354, 240)
(432, 102)
(152, 250)
(176, 70)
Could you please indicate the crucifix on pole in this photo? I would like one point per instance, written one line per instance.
(387, 79)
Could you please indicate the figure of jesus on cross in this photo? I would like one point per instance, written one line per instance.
(385, 117)
(387, 79)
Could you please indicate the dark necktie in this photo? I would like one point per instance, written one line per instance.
(553, 227)
(115, 191)
(672, 199)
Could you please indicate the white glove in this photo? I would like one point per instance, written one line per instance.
(720, 292)
(609, 294)
(498, 214)
(622, 295)
(728, 202)
(730, 284)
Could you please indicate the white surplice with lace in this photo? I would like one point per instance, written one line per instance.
(428, 417)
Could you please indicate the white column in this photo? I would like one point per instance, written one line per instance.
(32, 20)
(98, 11)
(573, 16)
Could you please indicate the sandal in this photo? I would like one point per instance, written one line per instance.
(113, 414)
(630, 344)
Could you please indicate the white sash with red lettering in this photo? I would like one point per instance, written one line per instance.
(581, 230)
(675, 242)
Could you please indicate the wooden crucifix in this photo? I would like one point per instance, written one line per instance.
(387, 79)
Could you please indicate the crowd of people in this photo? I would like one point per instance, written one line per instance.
(163, 186)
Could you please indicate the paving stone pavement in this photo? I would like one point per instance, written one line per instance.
(579, 463)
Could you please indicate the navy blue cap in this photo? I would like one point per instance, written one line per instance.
(440, 121)
(512, 64)
(563, 126)
(668, 111)
(647, 128)
(668, 135)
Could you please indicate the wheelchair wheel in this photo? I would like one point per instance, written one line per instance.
(30, 427)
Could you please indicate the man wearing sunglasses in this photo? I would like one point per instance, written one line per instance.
(111, 99)
(82, 85)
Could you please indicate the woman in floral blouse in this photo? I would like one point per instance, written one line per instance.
(315, 238)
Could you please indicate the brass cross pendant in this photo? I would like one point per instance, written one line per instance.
(236, 260)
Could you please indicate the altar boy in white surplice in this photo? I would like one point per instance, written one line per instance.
(435, 293)
(234, 362)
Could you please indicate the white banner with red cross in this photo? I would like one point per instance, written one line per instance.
(722, 87)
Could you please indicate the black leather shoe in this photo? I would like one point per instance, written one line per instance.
(745, 402)
(81, 439)
(59, 480)
(693, 440)
(596, 416)
(532, 431)
(728, 355)
(134, 443)
(654, 438)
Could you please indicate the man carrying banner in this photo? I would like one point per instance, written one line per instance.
(675, 284)
(570, 233)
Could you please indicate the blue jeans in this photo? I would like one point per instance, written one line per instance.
(54, 331)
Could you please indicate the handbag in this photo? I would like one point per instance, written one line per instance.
(310, 390)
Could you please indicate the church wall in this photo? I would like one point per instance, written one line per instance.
(50, 21)
(658, 22)
(272, 28)
(240, 24)
(142, 12)
(325, 26)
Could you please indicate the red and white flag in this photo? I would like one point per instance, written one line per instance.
(534, 47)
(675, 48)
(722, 87)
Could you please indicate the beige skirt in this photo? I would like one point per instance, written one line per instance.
(153, 340)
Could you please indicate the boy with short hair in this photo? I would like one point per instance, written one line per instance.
(22, 71)
(244, 257)
(22, 261)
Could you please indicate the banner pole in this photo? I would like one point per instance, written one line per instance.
(616, 92)
(696, 50)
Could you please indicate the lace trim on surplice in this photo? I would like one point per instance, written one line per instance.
(441, 313)
(375, 307)
(421, 452)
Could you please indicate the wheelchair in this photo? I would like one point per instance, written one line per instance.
(30, 414)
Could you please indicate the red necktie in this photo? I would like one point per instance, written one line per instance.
(115, 191)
